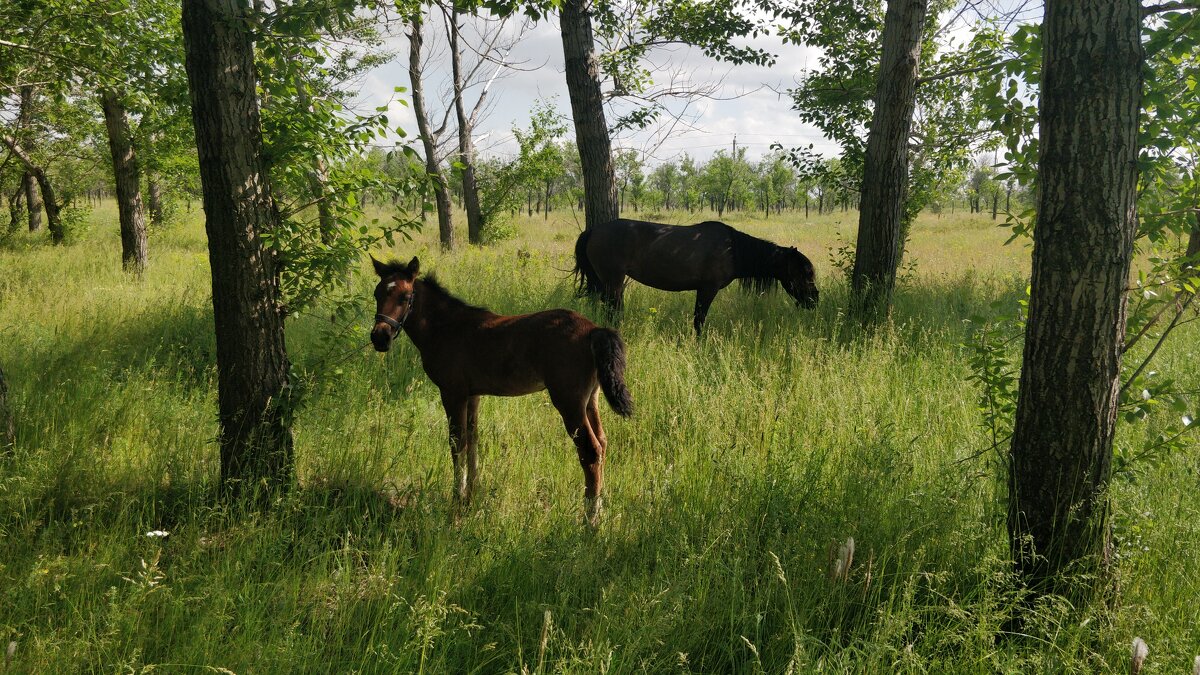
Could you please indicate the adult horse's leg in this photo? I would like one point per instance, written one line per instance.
(704, 299)
(589, 448)
(472, 445)
(456, 417)
(613, 297)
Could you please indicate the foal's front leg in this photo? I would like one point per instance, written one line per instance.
(457, 418)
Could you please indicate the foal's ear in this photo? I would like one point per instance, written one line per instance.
(414, 266)
(380, 268)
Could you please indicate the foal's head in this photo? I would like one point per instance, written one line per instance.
(393, 300)
(797, 276)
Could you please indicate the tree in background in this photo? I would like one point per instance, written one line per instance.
(601, 202)
(886, 161)
(252, 364)
(429, 135)
(1083, 245)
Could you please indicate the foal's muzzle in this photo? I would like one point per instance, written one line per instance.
(386, 329)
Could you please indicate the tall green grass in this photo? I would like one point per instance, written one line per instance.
(753, 455)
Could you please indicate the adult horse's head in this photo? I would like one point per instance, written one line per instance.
(393, 300)
(796, 274)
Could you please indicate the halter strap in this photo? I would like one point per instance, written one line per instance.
(397, 325)
(383, 318)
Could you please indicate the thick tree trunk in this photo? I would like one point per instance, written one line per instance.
(49, 198)
(587, 109)
(466, 145)
(1083, 244)
(127, 179)
(885, 171)
(441, 187)
(252, 363)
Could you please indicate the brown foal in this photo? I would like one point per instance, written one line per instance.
(468, 352)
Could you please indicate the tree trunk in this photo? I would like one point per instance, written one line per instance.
(885, 171)
(252, 364)
(1083, 244)
(33, 201)
(441, 187)
(127, 179)
(154, 200)
(8, 434)
(466, 145)
(49, 198)
(587, 110)
(995, 203)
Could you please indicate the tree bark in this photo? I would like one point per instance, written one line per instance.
(127, 180)
(154, 200)
(441, 187)
(885, 170)
(8, 434)
(49, 198)
(466, 145)
(252, 364)
(33, 201)
(1083, 244)
(587, 110)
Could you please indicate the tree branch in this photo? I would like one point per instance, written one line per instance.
(1150, 10)
(959, 71)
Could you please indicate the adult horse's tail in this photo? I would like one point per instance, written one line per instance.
(608, 352)
(587, 282)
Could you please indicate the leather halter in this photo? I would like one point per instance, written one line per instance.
(397, 325)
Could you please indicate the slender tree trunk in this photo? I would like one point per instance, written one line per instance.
(441, 187)
(33, 201)
(995, 204)
(252, 363)
(1083, 244)
(154, 200)
(8, 434)
(885, 171)
(587, 110)
(1193, 245)
(14, 208)
(49, 198)
(466, 145)
(127, 180)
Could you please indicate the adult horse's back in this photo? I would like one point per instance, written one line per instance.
(704, 258)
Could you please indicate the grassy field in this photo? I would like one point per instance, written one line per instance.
(752, 455)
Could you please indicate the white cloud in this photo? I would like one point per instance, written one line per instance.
(753, 111)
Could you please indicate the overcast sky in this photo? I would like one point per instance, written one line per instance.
(753, 110)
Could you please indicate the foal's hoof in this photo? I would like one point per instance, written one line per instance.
(591, 510)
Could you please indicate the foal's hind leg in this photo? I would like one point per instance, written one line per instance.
(472, 445)
(590, 450)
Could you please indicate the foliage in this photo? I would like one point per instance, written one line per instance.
(949, 124)
(315, 145)
(753, 456)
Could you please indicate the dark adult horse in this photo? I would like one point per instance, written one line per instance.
(468, 351)
(704, 258)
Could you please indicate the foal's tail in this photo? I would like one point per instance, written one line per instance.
(608, 352)
(587, 282)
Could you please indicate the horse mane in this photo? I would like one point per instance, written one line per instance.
(753, 261)
(431, 283)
